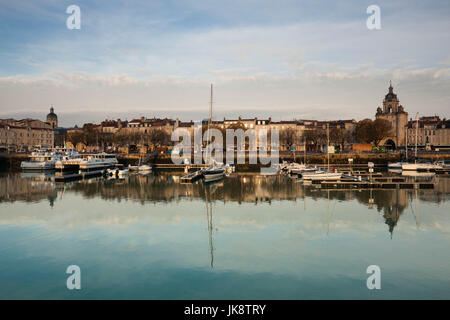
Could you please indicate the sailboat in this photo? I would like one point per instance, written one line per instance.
(421, 166)
(214, 172)
(320, 175)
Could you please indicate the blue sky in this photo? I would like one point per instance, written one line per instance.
(302, 59)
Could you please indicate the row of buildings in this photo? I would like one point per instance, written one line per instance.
(431, 132)
(25, 134)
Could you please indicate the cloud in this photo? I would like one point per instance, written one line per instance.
(304, 59)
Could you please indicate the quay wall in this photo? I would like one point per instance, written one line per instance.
(12, 161)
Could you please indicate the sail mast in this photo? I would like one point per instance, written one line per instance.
(406, 154)
(209, 121)
(210, 106)
(328, 146)
(417, 131)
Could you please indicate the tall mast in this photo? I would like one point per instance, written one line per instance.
(417, 132)
(328, 145)
(406, 154)
(211, 105)
(210, 118)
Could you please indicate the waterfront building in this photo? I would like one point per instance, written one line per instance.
(432, 132)
(112, 126)
(24, 135)
(144, 125)
(394, 113)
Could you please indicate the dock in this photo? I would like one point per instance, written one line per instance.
(63, 177)
(176, 167)
(375, 185)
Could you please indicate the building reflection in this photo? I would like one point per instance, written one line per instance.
(27, 187)
(245, 188)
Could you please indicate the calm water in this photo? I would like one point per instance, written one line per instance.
(247, 237)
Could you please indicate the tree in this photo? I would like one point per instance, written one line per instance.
(158, 137)
(363, 131)
(316, 136)
(381, 129)
(75, 137)
(288, 138)
(337, 137)
(368, 131)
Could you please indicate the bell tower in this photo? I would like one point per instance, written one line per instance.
(391, 102)
(394, 113)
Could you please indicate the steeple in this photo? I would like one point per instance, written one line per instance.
(391, 89)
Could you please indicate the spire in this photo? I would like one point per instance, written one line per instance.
(391, 89)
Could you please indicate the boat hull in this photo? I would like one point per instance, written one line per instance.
(37, 166)
(323, 176)
(395, 165)
(420, 166)
(213, 175)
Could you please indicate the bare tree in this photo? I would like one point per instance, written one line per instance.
(288, 138)
(368, 131)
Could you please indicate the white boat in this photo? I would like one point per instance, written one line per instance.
(46, 159)
(97, 161)
(301, 172)
(420, 166)
(144, 168)
(213, 173)
(290, 167)
(418, 174)
(42, 159)
(445, 164)
(395, 165)
(322, 175)
(295, 168)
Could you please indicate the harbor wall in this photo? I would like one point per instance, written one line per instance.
(12, 161)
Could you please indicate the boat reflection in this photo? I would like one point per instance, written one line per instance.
(238, 188)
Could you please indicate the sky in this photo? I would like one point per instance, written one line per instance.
(288, 59)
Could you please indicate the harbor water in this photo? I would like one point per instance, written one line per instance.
(245, 237)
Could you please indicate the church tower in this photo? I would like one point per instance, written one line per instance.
(394, 113)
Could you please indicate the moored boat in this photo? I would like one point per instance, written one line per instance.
(41, 159)
(46, 159)
(396, 165)
(213, 173)
(97, 161)
(322, 175)
(420, 166)
(445, 164)
(144, 168)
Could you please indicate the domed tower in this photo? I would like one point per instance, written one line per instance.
(391, 102)
(52, 118)
(394, 113)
